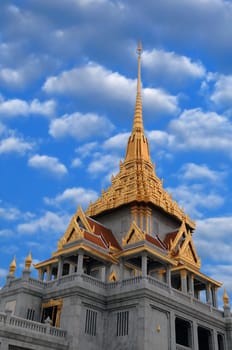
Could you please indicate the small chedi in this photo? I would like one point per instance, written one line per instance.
(125, 275)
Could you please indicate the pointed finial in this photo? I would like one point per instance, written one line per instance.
(138, 116)
(139, 48)
(12, 267)
(225, 298)
(28, 261)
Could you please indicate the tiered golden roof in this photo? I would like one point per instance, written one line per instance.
(136, 180)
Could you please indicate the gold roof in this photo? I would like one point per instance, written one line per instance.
(136, 180)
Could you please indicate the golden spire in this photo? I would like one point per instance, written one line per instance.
(225, 298)
(137, 147)
(138, 115)
(12, 267)
(28, 261)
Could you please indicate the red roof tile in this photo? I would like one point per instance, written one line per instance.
(154, 241)
(106, 234)
(170, 236)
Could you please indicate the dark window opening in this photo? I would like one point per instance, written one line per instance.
(220, 340)
(65, 269)
(204, 339)
(122, 323)
(183, 332)
(30, 314)
(176, 282)
(50, 312)
(91, 322)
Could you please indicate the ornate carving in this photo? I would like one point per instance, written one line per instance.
(133, 235)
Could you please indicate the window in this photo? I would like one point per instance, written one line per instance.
(30, 314)
(204, 339)
(52, 310)
(183, 332)
(122, 323)
(91, 322)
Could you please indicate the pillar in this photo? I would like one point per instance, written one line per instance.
(215, 296)
(80, 262)
(183, 276)
(195, 336)
(60, 267)
(71, 268)
(49, 273)
(168, 276)
(144, 265)
(121, 270)
(208, 294)
(191, 284)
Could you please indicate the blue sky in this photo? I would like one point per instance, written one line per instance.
(67, 93)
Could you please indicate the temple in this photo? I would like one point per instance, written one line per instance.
(125, 275)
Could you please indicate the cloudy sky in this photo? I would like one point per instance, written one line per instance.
(67, 92)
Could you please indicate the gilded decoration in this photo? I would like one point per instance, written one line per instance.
(182, 247)
(136, 180)
(75, 228)
(113, 277)
(134, 235)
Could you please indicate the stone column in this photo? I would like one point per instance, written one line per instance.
(183, 276)
(195, 336)
(60, 267)
(215, 296)
(107, 272)
(71, 268)
(144, 265)
(191, 284)
(121, 270)
(40, 272)
(168, 276)
(49, 273)
(208, 294)
(80, 262)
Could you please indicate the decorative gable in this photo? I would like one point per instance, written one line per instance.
(182, 247)
(75, 229)
(133, 235)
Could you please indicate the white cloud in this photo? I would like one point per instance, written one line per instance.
(103, 163)
(10, 214)
(49, 223)
(17, 107)
(6, 233)
(3, 272)
(195, 129)
(75, 196)
(193, 199)
(76, 163)
(86, 149)
(191, 171)
(80, 126)
(14, 144)
(171, 66)
(113, 87)
(220, 227)
(11, 76)
(47, 163)
(116, 142)
(222, 94)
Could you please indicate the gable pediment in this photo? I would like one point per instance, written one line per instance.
(134, 235)
(75, 229)
(182, 247)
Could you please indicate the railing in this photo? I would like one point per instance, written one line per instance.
(140, 281)
(18, 322)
